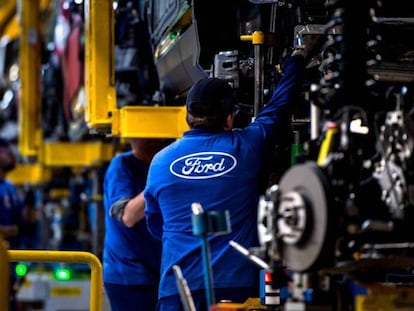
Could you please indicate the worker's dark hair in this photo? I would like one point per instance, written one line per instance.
(207, 122)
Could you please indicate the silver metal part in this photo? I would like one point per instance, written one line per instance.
(226, 67)
(265, 217)
(303, 217)
(291, 218)
(185, 293)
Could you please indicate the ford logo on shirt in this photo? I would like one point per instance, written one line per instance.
(203, 165)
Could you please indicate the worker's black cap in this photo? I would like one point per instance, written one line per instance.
(215, 96)
(4, 142)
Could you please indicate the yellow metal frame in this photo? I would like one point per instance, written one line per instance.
(386, 297)
(99, 63)
(11, 31)
(7, 13)
(30, 131)
(29, 122)
(151, 122)
(96, 291)
(86, 154)
(80, 154)
(4, 274)
(29, 174)
(101, 108)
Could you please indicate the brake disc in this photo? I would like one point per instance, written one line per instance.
(303, 228)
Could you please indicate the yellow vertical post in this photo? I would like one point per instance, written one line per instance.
(29, 64)
(4, 275)
(99, 63)
(7, 13)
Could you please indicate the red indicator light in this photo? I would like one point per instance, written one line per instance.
(268, 277)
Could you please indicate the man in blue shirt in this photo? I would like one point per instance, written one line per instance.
(218, 167)
(11, 211)
(131, 257)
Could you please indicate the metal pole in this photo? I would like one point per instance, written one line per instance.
(258, 40)
(201, 227)
(208, 272)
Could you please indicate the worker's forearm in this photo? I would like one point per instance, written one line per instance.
(134, 210)
(9, 231)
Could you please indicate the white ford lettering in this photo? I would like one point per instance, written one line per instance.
(197, 165)
(203, 165)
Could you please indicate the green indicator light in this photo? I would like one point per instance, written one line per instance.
(62, 274)
(173, 35)
(21, 269)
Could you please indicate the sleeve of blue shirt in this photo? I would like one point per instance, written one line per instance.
(118, 182)
(16, 211)
(153, 216)
(275, 116)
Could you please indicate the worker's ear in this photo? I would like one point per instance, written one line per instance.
(229, 122)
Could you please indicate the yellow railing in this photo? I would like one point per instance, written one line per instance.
(96, 291)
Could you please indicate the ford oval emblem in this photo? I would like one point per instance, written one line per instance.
(203, 165)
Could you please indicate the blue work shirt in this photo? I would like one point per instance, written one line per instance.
(11, 210)
(221, 171)
(131, 256)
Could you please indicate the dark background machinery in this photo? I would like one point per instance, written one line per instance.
(345, 211)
